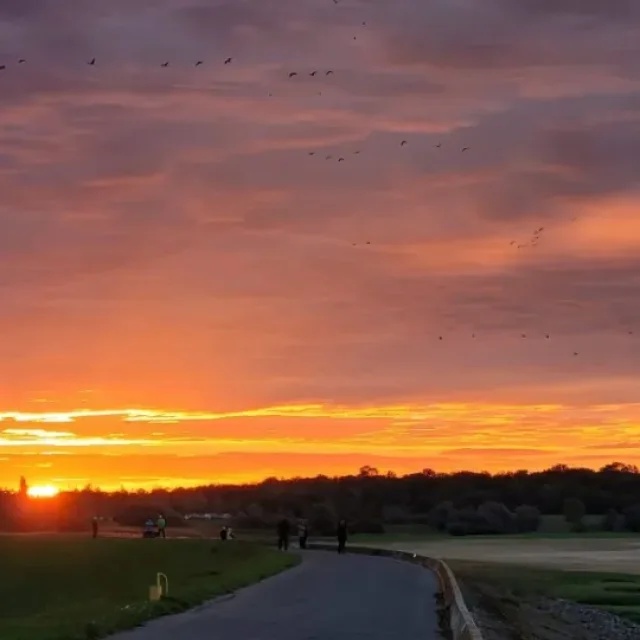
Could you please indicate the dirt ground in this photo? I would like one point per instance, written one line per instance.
(580, 554)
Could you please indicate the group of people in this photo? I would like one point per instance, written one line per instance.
(284, 531)
(226, 533)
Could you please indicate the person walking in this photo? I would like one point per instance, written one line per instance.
(303, 533)
(342, 536)
(283, 534)
(162, 526)
(94, 526)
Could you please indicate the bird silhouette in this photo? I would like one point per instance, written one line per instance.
(355, 153)
(575, 353)
(3, 67)
(228, 60)
(368, 242)
(312, 153)
(364, 24)
(524, 335)
(465, 148)
(293, 73)
(403, 143)
(328, 73)
(340, 159)
(546, 335)
(21, 61)
(92, 62)
(512, 242)
(164, 64)
(354, 38)
(313, 73)
(439, 337)
(198, 63)
(329, 157)
(438, 145)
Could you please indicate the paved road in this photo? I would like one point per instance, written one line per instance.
(327, 597)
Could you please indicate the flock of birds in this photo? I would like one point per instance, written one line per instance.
(531, 242)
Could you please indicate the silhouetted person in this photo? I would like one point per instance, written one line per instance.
(94, 526)
(303, 534)
(342, 536)
(224, 533)
(283, 534)
(162, 526)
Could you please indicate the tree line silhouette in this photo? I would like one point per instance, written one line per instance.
(462, 503)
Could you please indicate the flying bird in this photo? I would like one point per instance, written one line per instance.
(329, 157)
(356, 153)
(312, 153)
(92, 63)
(3, 67)
(465, 148)
(198, 63)
(313, 73)
(21, 61)
(575, 353)
(438, 145)
(164, 64)
(228, 60)
(328, 73)
(368, 242)
(403, 143)
(439, 337)
(546, 335)
(293, 73)
(524, 335)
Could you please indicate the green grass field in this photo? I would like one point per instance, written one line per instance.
(550, 527)
(70, 588)
(618, 593)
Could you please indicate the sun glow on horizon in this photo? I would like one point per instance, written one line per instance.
(43, 491)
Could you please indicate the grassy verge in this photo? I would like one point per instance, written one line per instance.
(59, 588)
(617, 593)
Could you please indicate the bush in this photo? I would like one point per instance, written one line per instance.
(440, 515)
(498, 518)
(527, 518)
(612, 521)
(469, 522)
(579, 527)
(574, 510)
(632, 518)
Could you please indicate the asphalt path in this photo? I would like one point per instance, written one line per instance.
(327, 597)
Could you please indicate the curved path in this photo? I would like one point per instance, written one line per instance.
(326, 597)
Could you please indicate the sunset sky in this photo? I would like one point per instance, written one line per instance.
(181, 298)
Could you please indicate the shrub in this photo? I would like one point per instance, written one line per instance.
(574, 510)
(498, 518)
(439, 516)
(632, 518)
(527, 518)
(612, 521)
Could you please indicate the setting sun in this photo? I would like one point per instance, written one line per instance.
(43, 491)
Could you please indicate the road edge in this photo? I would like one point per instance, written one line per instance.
(460, 621)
